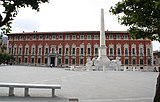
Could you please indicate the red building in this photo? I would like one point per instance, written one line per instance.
(74, 47)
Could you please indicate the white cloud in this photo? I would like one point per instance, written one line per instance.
(68, 15)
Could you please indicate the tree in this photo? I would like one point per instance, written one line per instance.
(143, 18)
(4, 58)
(11, 10)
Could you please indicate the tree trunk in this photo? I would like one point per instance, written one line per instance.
(158, 31)
(157, 94)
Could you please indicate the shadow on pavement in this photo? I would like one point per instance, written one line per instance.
(32, 99)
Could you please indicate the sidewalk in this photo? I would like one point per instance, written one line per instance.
(87, 86)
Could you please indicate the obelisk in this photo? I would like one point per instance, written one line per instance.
(102, 54)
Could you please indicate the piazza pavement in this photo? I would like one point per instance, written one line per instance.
(86, 86)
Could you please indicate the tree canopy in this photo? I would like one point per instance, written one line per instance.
(142, 17)
(11, 10)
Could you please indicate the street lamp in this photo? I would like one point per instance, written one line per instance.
(1, 43)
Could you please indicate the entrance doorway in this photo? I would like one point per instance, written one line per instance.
(52, 61)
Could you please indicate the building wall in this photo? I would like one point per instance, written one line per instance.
(138, 53)
(156, 61)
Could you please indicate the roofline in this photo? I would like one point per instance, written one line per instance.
(68, 32)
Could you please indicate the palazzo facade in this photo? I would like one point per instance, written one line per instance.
(75, 47)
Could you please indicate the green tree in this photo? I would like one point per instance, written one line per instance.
(11, 10)
(143, 18)
(4, 58)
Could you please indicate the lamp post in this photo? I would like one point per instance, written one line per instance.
(1, 42)
(12, 51)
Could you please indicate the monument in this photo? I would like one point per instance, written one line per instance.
(102, 60)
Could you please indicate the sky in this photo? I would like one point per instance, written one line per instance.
(69, 15)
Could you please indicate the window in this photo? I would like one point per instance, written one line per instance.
(26, 51)
(154, 62)
(60, 50)
(141, 67)
(60, 37)
(66, 61)
(126, 62)
(96, 51)
(39, 60)
(73, 61)
(53, 50)
(126, 51)
(133, 61)
(148, 52)
(81, 37)
(73, 51)
(81, 52)
(133, 51)
(32, 60)
(40, 37)
(39, 51)
(33, 37)
(19, 60)
(21, 37)
(118, 36)
(27, 37)
(111, 51)
(118, 51)
(141, 61)
(11, 38)
(111, 37)
(88, 51)
(15, 50)
(59, 61)
(96, 37)
(20, 51)
(66, 51)
(16, 38)
(141, 51)
(24, 37)
(32, 51)
(67, 37)
(125, 37)
(81, 61)
(46, 51)
(73, 37)
(26, 60)
(53, 37)
(10, 50)
(47, 37)
(88, 37)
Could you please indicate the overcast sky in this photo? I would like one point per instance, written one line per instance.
(69, 15)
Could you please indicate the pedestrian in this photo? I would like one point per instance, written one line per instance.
(51, 65)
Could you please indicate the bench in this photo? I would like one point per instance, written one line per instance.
(27, 86)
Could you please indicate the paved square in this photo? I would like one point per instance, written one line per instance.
(87, 86)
